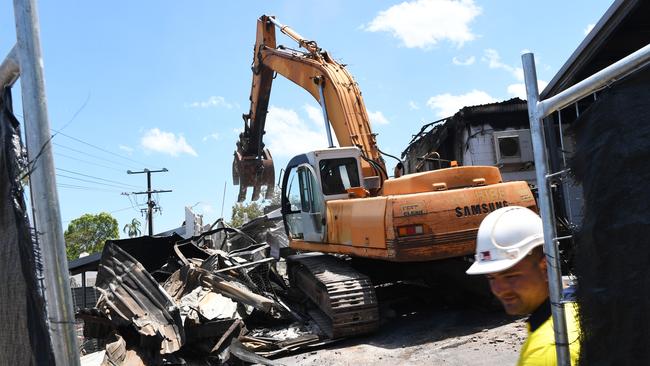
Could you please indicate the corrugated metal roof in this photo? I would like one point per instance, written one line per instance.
(84, 264)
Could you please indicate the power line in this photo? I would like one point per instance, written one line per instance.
(124, 209)
(89, 181)
(98, 178)
(89, 162)
(135, 197)
(76, 113)
(87, 154)
(74, 116)
(84, 188)
(223, 199)
(111, 212)
(97, 147)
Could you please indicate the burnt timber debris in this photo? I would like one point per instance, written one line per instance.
(217, 298)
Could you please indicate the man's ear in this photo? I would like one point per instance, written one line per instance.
(542, 264)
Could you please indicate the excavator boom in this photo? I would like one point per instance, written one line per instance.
(326, 80)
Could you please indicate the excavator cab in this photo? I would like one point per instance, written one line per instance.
(303, 213)
(312, 179)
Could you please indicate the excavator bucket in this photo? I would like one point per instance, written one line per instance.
(251, 171)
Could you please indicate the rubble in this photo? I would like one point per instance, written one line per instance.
(130, 296)
(219, 298)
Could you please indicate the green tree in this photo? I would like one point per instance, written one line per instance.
(88, 234)
(275, 201)
(244, 212)
(133, 229)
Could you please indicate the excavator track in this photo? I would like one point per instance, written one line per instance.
(345, 298)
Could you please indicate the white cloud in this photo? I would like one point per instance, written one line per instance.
(377, 118)
(126, 149)
(288, 135)
(166, 143)
(519, 90)
(213, 101)
(212, 136)
(466, 62)
(589, 28)
(447, 105)
(237, 131)
(315, 114)
(413, 106)
(206, 208)
(494, 62)
(425, 23)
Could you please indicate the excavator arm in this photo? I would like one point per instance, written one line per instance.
(326, 80)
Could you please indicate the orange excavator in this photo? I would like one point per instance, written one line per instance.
(340, 200)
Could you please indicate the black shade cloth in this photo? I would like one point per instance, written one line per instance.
(612, 162)
(24, 337)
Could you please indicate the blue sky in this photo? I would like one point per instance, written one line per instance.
(153, 84)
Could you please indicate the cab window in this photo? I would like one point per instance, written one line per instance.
(337, 175)
(305, 189)
(293, 191)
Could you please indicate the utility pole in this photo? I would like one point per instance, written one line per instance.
(151, 205)
(25, 60)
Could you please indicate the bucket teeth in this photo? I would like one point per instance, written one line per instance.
(253, 171)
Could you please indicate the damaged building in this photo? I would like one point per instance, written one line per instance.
(496, 134)
(490, 134)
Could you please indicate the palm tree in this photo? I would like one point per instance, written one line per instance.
(132, 229)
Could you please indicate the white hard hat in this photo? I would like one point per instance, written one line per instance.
(505, 237)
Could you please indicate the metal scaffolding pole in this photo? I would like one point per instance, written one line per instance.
(537, 110)
(44, 196)
(545, 207)
(9, 69)
(593, 83)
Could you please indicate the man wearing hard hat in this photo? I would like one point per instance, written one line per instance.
(509, 251)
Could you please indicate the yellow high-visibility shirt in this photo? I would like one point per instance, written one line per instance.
(539, 348)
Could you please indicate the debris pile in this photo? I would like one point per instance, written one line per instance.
(175, 301)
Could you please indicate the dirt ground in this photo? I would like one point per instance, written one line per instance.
(421, 334)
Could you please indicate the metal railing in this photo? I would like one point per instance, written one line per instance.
(537, 111)
(25, 61)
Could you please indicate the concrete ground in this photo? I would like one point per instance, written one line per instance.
(417, 335)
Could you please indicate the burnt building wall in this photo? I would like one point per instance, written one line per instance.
(468, 138)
